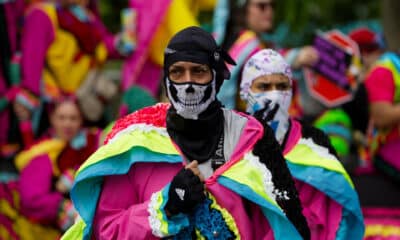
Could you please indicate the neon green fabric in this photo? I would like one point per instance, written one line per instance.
(150, 140)
(250, 175)
(305, 155)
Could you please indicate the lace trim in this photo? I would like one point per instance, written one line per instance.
(154, 220)
(266, 174)
(143, 127)
(319, 150)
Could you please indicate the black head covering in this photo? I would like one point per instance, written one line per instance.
(198, 139)
(194, 44)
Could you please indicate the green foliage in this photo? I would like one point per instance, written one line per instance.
(301, 18)
(110, 13)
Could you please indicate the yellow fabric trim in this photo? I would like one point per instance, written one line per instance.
(52, 148)
(160, 216)
(303, 155)
(4, 234)
(198, 235)
(152, 141)
(247, 174)
(24, 228)
(381, 230)
(7, 210)
(75, 232)
(31, 231)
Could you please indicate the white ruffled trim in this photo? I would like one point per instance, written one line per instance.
(154, 221)
(267, 176)
(323, 152)
(143, 127)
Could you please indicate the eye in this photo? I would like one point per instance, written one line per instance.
(200, 70)
(283, 86)
(263, 86)
(175, 73)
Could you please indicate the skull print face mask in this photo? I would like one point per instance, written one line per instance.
(190, 99)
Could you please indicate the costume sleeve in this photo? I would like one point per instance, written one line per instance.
(323, 214)
(38, 199)
(380, 85)
(131, 205)
(37, 37)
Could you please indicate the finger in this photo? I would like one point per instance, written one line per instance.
(192, 164)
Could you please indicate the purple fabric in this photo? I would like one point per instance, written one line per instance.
(323, 214)
(39, 201)
(135, 69)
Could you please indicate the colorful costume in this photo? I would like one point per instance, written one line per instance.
(332, 210)
(33, 207)
(139, 159)
(383, 85)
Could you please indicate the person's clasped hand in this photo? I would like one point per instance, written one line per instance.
(186, 190)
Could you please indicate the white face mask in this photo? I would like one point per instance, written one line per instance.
(191, 99)
(275, 106)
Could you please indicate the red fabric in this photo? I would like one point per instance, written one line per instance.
(86, 33)
(72, 159)
(153, 115)
(366, 39)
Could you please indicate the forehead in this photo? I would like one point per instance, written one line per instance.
(185, 64)
(272, 78)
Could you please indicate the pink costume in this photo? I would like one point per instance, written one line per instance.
(121, 191)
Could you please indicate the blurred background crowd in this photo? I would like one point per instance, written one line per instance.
(70, 68)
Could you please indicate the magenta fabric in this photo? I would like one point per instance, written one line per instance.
(126, 216)
(381, 88)
(39, 201)
(380, 85)
(37, 37)
(323, 214)
(137, 69)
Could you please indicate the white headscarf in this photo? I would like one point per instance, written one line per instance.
(275, 104)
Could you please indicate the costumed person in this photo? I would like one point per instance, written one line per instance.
(190, 169)
(348, 125)
(47, 172)
(242, 27)
(330, 202)
(64, 48)
(157, 21)
(382, 84)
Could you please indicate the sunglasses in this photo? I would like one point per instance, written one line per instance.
(265, 5)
